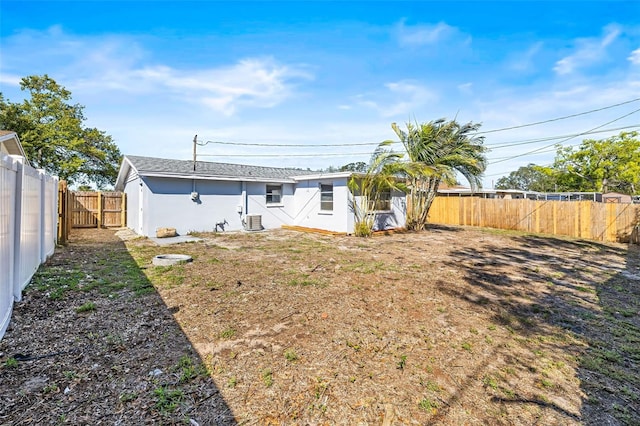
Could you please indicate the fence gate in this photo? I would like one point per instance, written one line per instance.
(83, 209)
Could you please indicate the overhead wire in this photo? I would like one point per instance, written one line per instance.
(495, 146)
(564, 140)
(551, 120)
(286, 155)
(500, 145)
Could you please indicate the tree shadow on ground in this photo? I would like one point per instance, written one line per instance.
(567, 311)
(93, 343)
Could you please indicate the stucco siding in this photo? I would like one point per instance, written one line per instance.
(394, 218)
(155, 202)
(132, 189)
(273, 215)
(170, 204)
(307, 195)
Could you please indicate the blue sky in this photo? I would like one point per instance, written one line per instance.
(154, 74)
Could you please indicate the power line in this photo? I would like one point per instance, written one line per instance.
(292, 145)
(564, 140)
(286, 155)
(497, 145)
(506, 173)
(542, 151)
(558, 118)
(501, 145)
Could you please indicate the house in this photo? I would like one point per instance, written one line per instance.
(205, 196)
(517, 194)
(616, 197)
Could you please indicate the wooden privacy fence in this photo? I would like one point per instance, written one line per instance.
(84, 209)
(609, 222)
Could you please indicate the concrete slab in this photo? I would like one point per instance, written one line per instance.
(127, 234)
(175, 240)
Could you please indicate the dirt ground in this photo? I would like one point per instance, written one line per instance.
(449, 326)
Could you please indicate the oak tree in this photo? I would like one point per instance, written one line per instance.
(54, 137)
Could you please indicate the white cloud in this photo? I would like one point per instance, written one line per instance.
(10, 79)
(397, 99)
(108, 65)
(466, 88)
(588, 51)
(634, 57)
(524, 61)
(426, 34)
(252, 82)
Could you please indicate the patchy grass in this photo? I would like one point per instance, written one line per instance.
(86, 307)
(449, 326)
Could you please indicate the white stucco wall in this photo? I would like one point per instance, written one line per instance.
(342, 219)
(167, 203)
(132, 189)
(273, 215)
(154, 202)
(307, 202)
(395, 218)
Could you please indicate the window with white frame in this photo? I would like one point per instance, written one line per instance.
(326, 197)
(274, 194)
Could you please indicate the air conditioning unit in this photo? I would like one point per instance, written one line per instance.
(254, 222)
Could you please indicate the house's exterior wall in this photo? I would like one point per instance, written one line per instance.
(155, 202)
(341, 219)
(168, 203)
(616, 197)
(396, 218)
(132, 189)
(307, 203)
(273, 215)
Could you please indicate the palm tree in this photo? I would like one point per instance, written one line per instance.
(381, 175)
(436, 151)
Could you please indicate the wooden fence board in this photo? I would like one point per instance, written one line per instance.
(608, 222)
(95, 209)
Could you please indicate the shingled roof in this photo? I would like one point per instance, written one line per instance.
(161, 166)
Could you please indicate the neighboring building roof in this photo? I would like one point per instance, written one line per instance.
(161, 167)
(10, 143)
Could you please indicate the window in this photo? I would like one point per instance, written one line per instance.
(326, 197)
(383, 203)
(274, 194)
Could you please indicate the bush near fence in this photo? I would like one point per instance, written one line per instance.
(608, 222)
(28, 228)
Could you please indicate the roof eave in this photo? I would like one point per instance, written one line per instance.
(323, 176)
(16, 145)
(123, 173)
(214, 177)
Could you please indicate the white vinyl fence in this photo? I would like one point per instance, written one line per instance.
(28, 228)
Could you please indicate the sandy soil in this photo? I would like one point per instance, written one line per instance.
(450, 326)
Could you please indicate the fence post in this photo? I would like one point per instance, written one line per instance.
(43, 189)
(123, 210)
(99, 224)
(17, 291)
(62, 220)
(7, 246)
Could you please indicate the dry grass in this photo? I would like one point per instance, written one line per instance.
(451, 326)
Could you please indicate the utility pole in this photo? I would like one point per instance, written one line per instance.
(195, 142)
